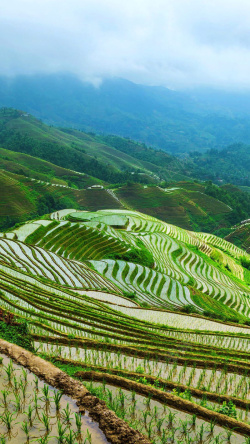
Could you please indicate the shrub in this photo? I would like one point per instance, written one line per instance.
(129, 294)
(140, 369)
(136, 255)
(17, 333)
(188, 309)
(228, 409)
(245, 262)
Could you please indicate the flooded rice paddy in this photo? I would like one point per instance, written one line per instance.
(162, 424)
(31, 411)
(219, 381)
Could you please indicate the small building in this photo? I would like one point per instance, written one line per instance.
(96, 187)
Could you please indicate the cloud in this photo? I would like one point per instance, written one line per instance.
(174, 43)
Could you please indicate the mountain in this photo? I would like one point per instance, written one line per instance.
(174, 121)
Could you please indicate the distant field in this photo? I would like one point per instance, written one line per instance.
(178, 204)
(14, 200)
(241, 236)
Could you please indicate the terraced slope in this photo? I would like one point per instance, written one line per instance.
(180, 204)
(190, 269)
(120, 321)
(38, 262)
(14, 200)
(240, 236)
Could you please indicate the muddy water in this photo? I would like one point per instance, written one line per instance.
(153, 419)
(23, 391)
(212, 380)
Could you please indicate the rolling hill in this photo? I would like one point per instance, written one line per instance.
(82, 152)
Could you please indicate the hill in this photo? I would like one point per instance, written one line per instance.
(54, 169)
(174, 121)
(229, 165)
(185, 204)
(24, 197)
(190, 259)
(240, 235)
(82, 152)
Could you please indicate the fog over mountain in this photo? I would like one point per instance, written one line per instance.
(171, 74)
(176, 44)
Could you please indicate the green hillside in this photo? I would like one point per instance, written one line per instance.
(230, 164)
(14, 198)
(24, 197)
(29, 166)
(240, 236)
(182, 203)
(205, 271)
(54, 169)
(83, 152)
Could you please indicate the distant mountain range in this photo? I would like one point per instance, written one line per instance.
(177, 122)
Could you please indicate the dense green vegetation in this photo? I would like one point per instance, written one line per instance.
(227, 165)
(16, 332)
(136, 255)
(78, 151)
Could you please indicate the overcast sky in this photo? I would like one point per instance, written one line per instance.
(174, 43)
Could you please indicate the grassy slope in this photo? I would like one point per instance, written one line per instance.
(23, 198)
(241, 237)
(83, 146)
(181, 205)
(24, 164)
(15, 201)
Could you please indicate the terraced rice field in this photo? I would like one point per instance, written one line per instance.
(32, 411)
(121, 320)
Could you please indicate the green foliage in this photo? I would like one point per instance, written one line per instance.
(245, 262)
(137, 255)
(228, 408)
(231, 164)
(188, 309)
(140, 369)
(184, 395)
(17, 334)
(129, 294)
(238, 200)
